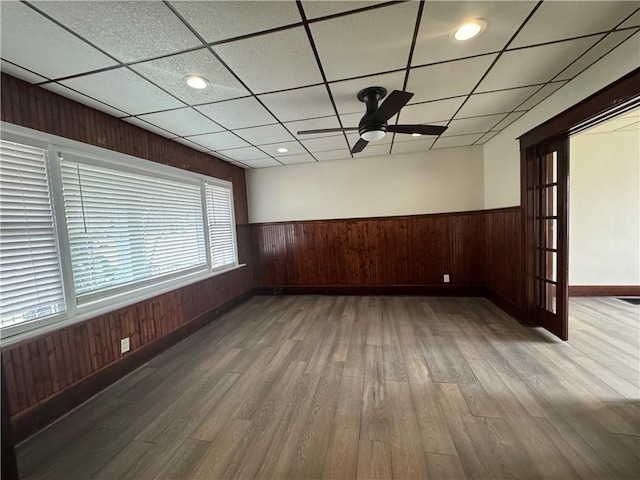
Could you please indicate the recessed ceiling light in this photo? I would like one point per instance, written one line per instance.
(416, 134)
(283, 150)
(469, 30)
(194, 81)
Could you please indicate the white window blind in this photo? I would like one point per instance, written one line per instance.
(221, 229)
(30, 278)
(126, 230)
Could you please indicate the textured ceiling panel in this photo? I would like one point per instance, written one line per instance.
(169, 73)
(220, 20)
(434, 42)
(373, 41)
(266, 80)
(31, 41)
(123, 28)
(272, 62)
(123, 89)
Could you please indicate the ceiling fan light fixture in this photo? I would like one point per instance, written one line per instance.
(373, 135)
(468, 30)
(197, 82)
(416, 134)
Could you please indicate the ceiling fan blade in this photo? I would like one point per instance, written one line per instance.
(421, 129)
(327, 130)
(359, 146)
(392, 105)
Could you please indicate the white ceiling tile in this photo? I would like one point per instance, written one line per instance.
(404, 137)
(80, 98)
(239, 113)
(561, 20)
(21, 73)
(183, 122)
(293, 147)
(325, 143)
(32, 41)
(632, 21)
(449, 79)
(529, 66)
(369, 42)
(540, 95)
(415, 146)
(434, 43)
(169, 73)
(316, 9)
(123, 28)
(312, 124)
(431, 111)
(373, 151)
(274, 61)
(473, 125)
(345, 93)
(332, 155)
(607, 44)
(262, 163)
(486, 137)
(220, 20)
(241, 165)
(152, 128)
(190, 144)
(219, 141)
(294, 159)
(242, 154)
(124, 90)
(508, 120)
(503, 101)
(265, 135)
(459, 141)
(299, 104)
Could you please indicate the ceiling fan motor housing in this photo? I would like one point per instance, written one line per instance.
(371, 96)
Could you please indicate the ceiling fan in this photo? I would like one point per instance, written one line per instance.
(373, 125)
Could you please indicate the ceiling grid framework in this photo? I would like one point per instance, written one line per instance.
(279, 67)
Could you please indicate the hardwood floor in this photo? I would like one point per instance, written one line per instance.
(366, 387)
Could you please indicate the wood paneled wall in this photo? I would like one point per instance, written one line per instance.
(475, 249)
(43, 368)
(503, 259)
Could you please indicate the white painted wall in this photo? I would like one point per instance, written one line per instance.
(501, 153)
(604, 209)
(437, 181)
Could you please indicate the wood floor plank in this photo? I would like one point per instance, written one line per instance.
(375, 422)
(342, 457)
(407, 456)
(366, 387)
(374, 460)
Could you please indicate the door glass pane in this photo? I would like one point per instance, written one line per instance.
(548, 170)
(551, 260)
(551, 232)
(550, 297)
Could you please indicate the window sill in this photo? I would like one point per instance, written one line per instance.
(13, 334)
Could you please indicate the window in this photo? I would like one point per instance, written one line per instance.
(83, 234)
(30, 278)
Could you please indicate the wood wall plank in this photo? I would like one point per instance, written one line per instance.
(42, 368)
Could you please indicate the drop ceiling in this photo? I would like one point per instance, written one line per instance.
(283, 66)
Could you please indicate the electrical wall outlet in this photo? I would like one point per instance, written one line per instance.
(124, 345)
(446, 278)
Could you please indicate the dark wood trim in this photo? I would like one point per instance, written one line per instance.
(604, 290)
(506, 305)
(30, 421)
(618, 92)
(392, 217)
(9, 463)
(423, 290)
